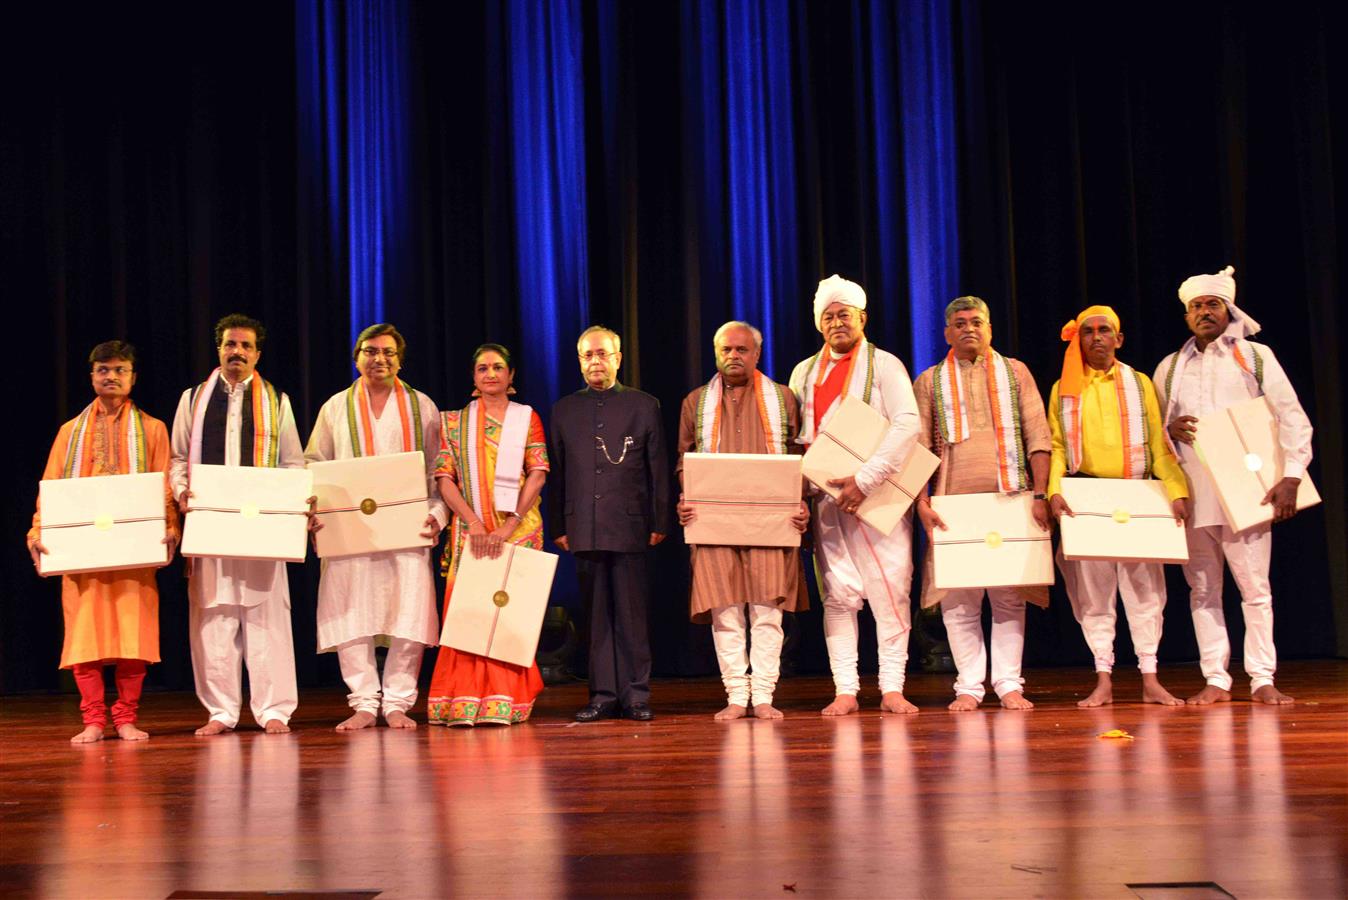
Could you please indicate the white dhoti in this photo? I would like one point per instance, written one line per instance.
(762, 625)
(856, 564)
(384, 598)
(1248, 556)
(239, 614)
(962, 612)
(398, 690)
(1094, 585)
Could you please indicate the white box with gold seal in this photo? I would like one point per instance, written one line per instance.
(1239, 447)
(247, 512)
(102, 524)
(497, 606)
(371, 504)
(742, 499)
(1121, 519)
(990, 540)
(846, 442)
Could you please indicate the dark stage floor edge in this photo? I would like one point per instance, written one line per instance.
(1230, 800)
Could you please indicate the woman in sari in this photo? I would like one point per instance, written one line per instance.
(491, 468)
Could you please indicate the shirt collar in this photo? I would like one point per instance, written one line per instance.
(1093, 375)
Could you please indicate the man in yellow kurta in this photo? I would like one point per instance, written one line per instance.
(1106, 423)
(111, 618)
(743, 589)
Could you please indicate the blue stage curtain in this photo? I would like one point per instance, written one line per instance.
(544, 41)
(744, 62)
(352, 62)
(929, 158)
(740, 89)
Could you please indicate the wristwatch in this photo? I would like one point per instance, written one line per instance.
(1040, 497)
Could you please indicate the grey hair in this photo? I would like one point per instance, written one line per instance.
(959, 304)
(605, 330)
(716, 338)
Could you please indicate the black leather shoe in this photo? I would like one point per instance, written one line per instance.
(640, 712)
(593, 712)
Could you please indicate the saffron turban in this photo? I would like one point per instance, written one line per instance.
(1073, 371)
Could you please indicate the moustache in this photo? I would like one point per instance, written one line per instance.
(238, 359)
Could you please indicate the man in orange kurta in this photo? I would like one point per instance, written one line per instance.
(111, 618)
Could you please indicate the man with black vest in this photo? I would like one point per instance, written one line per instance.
(239, 608)
(611, 504)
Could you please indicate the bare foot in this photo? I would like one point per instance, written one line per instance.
(895, 702)
(1016, 700)
(276, 726)
(89, 735)
(214, 726)
(1154, 692)
(842, 705)
(1210, 694)
(1103, 695)
(357, 722)
(1271, 695)
(963, 703)
(399, 719)
(129, 732)
(732, 711)
(766, 711)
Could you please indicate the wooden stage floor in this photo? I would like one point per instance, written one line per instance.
(984, 804)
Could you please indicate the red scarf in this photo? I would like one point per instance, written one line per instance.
(828, 390)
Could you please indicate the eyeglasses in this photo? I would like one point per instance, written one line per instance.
(103, 371)
(375, 352)
(601, 355)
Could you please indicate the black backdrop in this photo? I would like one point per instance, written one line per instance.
(150, 182)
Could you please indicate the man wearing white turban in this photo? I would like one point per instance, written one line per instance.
(1216, 368)
(856, 562)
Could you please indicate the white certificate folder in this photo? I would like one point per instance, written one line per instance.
(101, 524)
(247, 512)
(497, 605)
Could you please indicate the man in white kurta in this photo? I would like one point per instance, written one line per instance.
(855, 561)
(239, 609)
(388, 598)
(1216, 368)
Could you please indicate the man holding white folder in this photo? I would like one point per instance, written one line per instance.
(240, 608)
(386, 598)
(983, 416)
(1217, 368)
(1106, 423)
(111, 617)
(857, 563)
(739, 589)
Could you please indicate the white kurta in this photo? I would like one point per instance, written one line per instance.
(1210, 382)
(233, 582)
(857, 562)
(382, 595)
(240, 608)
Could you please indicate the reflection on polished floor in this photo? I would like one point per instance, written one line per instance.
(985, 804)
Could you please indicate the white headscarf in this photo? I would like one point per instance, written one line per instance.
(836, 289)
(1222, 284)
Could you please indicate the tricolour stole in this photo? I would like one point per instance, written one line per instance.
(79, 452)
(1132, 418)
(771, 413)
(265, 401)
(1004, 402)
(359, 420)
(860, 380)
